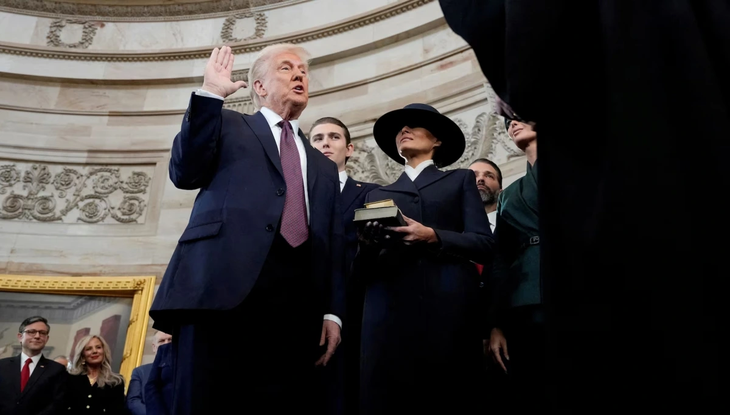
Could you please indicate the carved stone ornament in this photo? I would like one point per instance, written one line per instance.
(251, 46)
(229, 26)
(87, 35)
(79, 194)
(134, 12)
(486, 138)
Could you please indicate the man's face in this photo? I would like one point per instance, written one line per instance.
(286, 84)
(330, 140)
(160, 339)
(34, 338)
(487, 182)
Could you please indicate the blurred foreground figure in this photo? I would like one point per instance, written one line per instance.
(632, 103)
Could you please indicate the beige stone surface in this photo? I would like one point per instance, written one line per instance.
(124, 115)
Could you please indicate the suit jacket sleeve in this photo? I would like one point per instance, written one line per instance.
(338, 243)
(476, 242)
(497, 281)
(194, 151)
(135, 401)
(153, 387)
(58, 403)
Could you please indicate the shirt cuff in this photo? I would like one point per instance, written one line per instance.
(204, 93)
(334, 318)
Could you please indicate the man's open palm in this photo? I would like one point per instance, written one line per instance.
(217, 77)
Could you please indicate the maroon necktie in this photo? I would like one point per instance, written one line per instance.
(25, 374)
(294, 226)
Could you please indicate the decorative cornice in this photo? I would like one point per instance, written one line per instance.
(250, 46)
(140, 13)
(243, 104)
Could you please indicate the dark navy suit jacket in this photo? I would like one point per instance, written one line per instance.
(158, 389)
(135, 392)
(233, 159)
(44, 393)
(353, 197)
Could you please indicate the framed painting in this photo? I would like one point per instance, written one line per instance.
(116, 308)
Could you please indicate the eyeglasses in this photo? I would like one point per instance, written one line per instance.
(32, 333)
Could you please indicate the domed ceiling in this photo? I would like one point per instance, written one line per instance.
(135, 9)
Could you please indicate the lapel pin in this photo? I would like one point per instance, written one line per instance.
(358, 185)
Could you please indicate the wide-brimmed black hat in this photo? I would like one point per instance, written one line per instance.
(423, 116)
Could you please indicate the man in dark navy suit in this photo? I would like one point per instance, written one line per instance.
(158, 390)
(261, 258)
(332, 137)
(136, 396)
(30, 384)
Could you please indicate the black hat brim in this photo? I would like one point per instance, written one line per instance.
(386, 129)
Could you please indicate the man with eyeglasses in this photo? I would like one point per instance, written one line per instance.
(30, 384)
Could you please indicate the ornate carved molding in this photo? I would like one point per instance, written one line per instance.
(230, 24)
(153, 12)
(78, 194)
(87, 35)
(250, 46)
(241, 75)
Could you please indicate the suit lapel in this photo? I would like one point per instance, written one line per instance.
(350, 193)
(429, 175)
(261, 128)
(311, 164)
(402, 185)
(38, 372)
(14, 374)
(312, 173)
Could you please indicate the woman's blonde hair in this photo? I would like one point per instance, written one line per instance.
(106, 375)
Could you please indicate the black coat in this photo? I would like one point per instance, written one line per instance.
(632, 105)
(43, 394)
(421, 336)
(233, 159)
(83, 398)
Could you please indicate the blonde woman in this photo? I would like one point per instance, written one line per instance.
(93, 388)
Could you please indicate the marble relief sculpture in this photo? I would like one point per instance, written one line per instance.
(86, 194)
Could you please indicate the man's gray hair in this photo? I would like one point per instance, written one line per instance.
(262, 65)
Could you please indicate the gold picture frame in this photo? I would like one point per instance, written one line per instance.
(139, 289)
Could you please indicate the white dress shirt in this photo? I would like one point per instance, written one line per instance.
(492, 219)
(33, 363)
(343, 179)
(273, 119)
(414, 172)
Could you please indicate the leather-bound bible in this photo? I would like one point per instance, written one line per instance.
(384, 212)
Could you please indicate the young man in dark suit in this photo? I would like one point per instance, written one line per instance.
(30, 384)
(261, 258)
(331, 136)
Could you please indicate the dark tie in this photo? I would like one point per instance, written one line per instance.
(25, 374)
(294, 219)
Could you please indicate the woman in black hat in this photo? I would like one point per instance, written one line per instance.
(422, 329)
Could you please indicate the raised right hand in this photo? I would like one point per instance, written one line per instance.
(217, 76)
